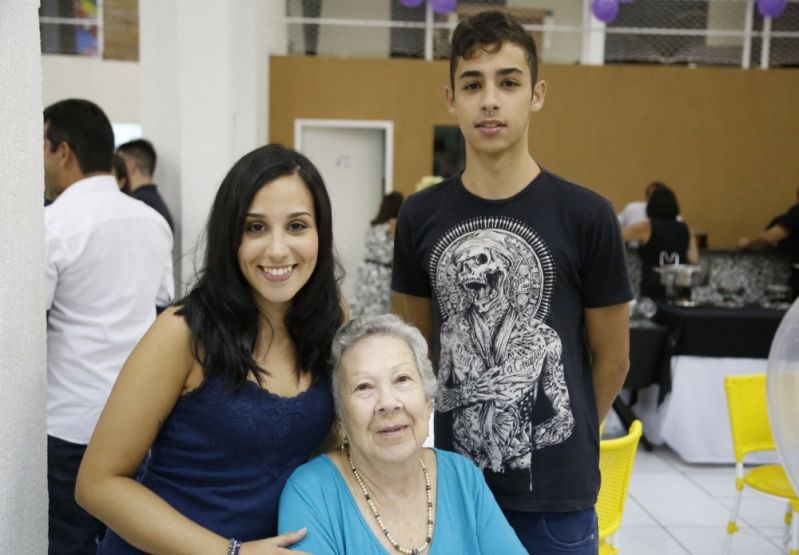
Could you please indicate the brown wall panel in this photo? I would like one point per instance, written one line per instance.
(726, 140)
(121, 30)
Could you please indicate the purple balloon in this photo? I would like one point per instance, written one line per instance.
(411, 3)
(443, 6)
(771, 8)
(605, 10)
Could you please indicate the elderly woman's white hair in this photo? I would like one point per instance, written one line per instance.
(386, 325)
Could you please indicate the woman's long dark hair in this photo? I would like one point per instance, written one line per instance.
(389, 208)
(220, 309)
(662, 203)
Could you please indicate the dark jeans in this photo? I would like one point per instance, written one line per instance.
(572, 533)
(73, 531)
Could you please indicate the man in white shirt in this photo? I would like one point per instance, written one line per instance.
(108, 264)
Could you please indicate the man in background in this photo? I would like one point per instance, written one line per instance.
(107, 265)
(783, 230)
(140, 157)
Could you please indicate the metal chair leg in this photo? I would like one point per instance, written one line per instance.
(794, 534)
(732, 527)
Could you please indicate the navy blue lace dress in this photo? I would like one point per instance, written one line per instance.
(222, 458)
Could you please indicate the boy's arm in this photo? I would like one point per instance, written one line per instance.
(417, 311)
(607, 331)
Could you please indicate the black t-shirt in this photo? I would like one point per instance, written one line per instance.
(509, 280)
(668, 244)
(149, 195)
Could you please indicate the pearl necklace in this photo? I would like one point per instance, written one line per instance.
(376, 513)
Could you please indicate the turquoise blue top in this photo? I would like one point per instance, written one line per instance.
(467, 520)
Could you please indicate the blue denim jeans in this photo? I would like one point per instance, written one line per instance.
(548, 533)
(72, 531)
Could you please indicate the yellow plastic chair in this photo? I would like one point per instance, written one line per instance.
(746, 400)
(616, 458)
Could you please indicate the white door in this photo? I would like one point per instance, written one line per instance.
(351, 161)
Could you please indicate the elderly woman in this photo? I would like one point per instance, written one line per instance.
(382, 492)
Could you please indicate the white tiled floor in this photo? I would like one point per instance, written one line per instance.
(676, 508)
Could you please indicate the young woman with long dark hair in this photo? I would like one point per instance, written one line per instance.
(229, 390)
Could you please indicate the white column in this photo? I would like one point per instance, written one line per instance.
(593, 47)
(765, 44)
(23, 436)
(428, 32)
(204, 74)
(746, 54)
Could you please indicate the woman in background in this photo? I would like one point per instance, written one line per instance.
(663, 240)
(373, 285)
(229, 390)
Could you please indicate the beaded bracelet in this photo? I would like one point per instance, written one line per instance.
(233, 547)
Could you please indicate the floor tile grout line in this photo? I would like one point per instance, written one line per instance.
(680, 543)
(741, 519)
(659, 525)
(676, 468)
(680, 469)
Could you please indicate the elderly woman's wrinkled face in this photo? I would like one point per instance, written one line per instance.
(383, 408)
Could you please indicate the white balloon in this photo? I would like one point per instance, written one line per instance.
(782, 387)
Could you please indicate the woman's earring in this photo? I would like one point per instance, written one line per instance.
(345, 444)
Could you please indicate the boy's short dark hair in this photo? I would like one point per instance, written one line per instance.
(85, 128)
(142, 152)
(489, 31)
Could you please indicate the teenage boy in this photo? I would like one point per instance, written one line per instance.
(518, 279)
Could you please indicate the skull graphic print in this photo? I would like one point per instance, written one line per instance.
(494, 279)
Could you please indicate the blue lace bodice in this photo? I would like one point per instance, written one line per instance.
(222, 458)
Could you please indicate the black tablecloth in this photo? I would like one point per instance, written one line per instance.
(719, 332)
(647, 342)
(698, 331)
(648, 366)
